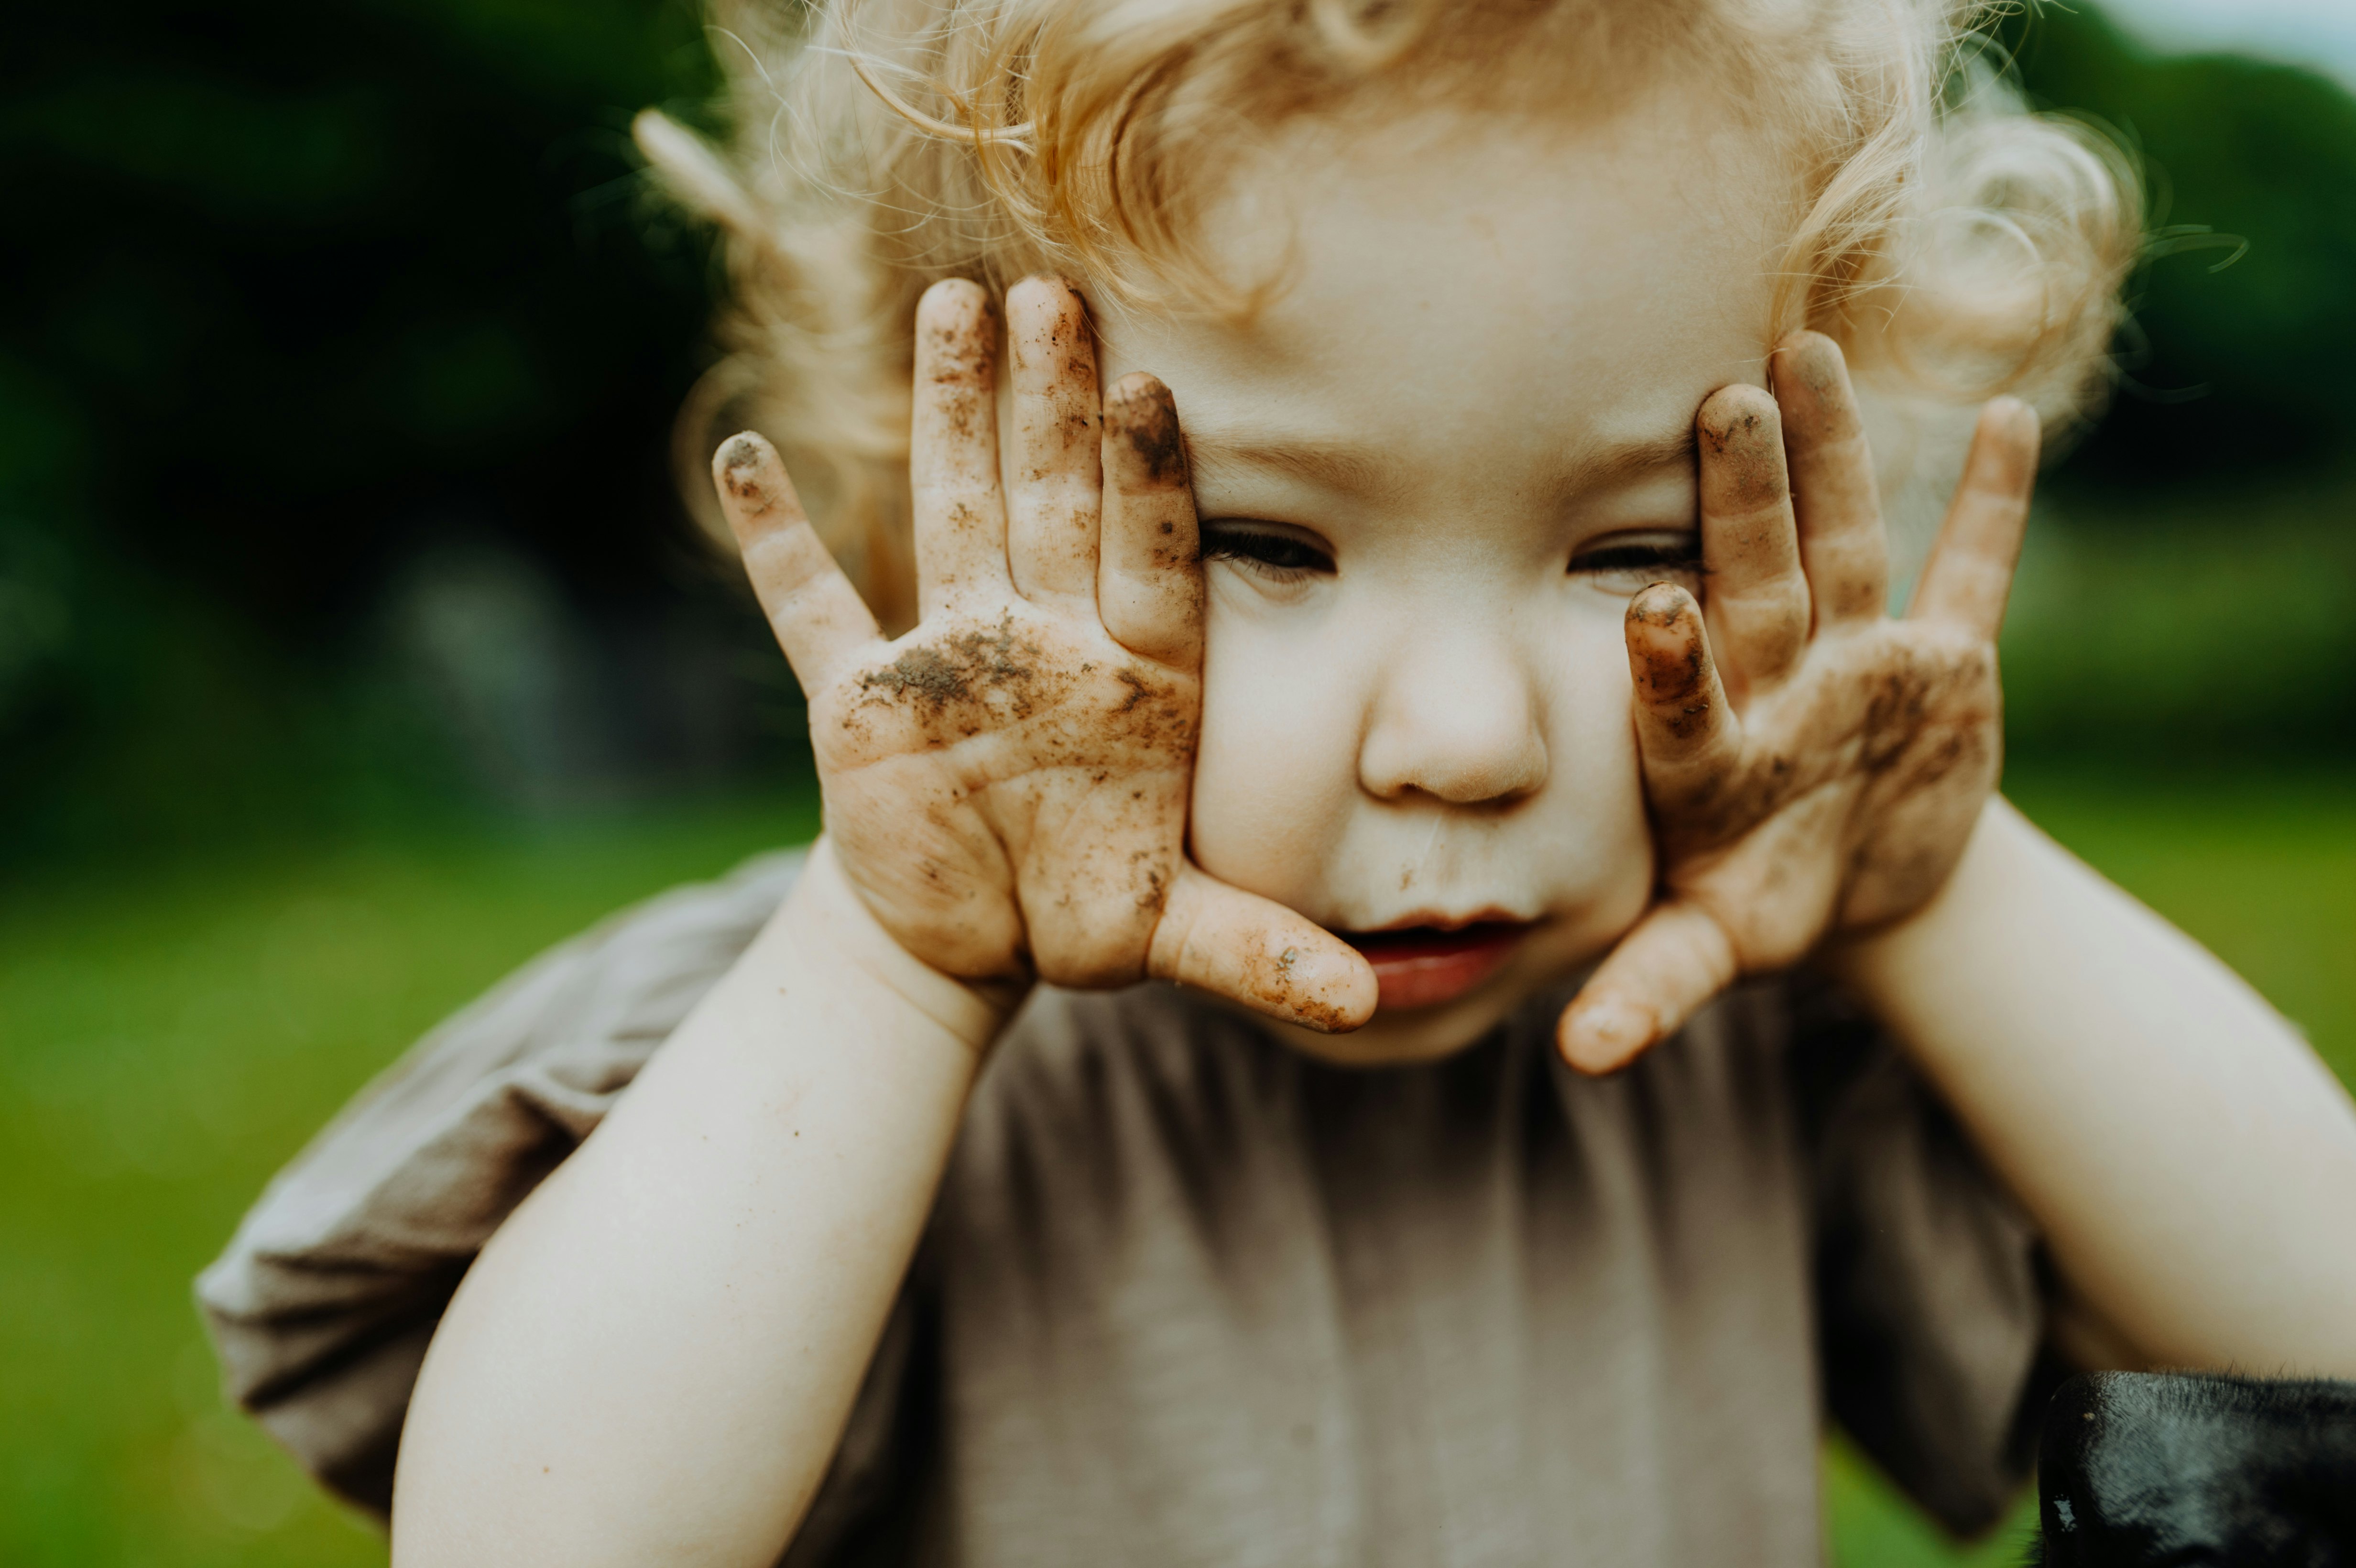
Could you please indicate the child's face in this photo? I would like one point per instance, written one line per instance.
(1431, 475)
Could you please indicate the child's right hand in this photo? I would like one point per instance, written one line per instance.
(1006, 786)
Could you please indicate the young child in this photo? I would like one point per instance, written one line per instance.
(1573, 1085)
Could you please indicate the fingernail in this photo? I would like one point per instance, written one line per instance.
(1330, 992)
(2020, 416)
(1659, 604)
(1606, 1033)
(740, 451)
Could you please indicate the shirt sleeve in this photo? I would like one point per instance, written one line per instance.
(1932, 1289)
(323, 1305)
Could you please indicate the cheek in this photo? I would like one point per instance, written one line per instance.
(1276, 773)
(1591, 819)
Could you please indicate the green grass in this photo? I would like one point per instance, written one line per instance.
(169, 1039)
(2203, 623)
(167, 1042)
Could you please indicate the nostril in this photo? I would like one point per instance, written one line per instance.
(1479, 786)
(1459, 774)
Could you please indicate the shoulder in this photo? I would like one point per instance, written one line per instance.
(621, 986)
(634, 975)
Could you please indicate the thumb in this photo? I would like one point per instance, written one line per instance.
(1257, 952)
(1676, 958)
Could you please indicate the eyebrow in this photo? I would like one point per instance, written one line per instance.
(1349, 469)
(1611, 463)
(1326, 464)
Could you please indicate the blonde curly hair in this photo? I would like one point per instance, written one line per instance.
(1953, 245)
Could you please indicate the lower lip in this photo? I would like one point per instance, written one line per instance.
(1424, 967)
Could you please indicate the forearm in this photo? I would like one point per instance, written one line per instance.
(653, 1359)
(2191, 1162)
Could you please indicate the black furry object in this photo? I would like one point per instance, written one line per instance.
(2180, 1468)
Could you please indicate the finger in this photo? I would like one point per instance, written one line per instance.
(1251, 950)
(960, 517)
(1686, 734)
(1758, 597)
(1052, 489)
(1676, 958)
(818, 616)
(1834, 489)
(1969, 574)
(1149, 582)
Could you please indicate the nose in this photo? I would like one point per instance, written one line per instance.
(1454, 716)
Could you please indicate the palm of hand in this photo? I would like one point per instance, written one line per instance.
(1000, 788)
(1812, 767)
(1857, 785)
(1006, 785)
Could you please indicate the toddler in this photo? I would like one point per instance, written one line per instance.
(1405, 564)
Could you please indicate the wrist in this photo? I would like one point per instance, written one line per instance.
(831, 928)
(1864, 960)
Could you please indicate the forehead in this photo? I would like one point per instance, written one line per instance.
(1449, 283)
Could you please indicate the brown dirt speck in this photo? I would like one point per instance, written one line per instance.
(958, 669)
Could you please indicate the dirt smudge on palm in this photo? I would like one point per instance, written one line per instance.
(961, 669)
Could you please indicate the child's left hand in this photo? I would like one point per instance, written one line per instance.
(1813, 766)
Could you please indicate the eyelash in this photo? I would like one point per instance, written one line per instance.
(1680, 554)
(1282, 558)
(1285, 558)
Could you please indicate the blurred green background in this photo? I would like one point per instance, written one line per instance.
(353, 645)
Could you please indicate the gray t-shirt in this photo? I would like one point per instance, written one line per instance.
(1188, 1297)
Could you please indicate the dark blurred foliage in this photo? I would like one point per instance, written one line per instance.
(339, 348)
(294, 298)
(2192, 603)
(2244, 321)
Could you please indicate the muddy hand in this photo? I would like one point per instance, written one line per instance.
(1007, 785)
(1812, 765)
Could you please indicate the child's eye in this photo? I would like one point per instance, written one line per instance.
(1266, 550)
(1634, 561)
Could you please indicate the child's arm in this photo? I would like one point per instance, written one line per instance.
(2191, 1162)
(1820, 779)
(653, 1359)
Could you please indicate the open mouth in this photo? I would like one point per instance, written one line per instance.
(1424, 966)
